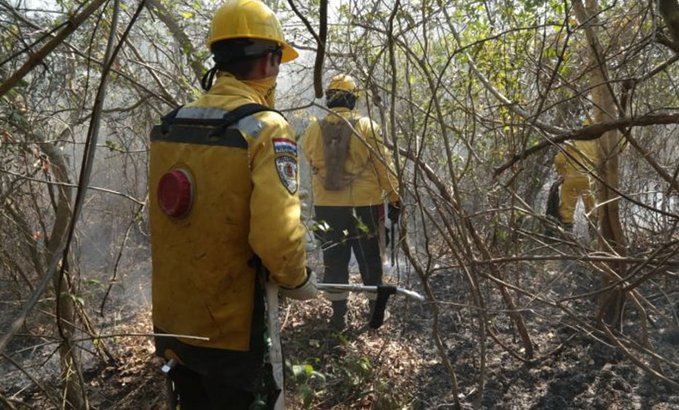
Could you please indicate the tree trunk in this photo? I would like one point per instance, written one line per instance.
(611, 236)
(71, 370)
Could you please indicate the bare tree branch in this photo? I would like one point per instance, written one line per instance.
(184, 42)
(320, 38)
(590, 132)
(40, 55)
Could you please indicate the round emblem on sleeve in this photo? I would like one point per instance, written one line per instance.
(175, 193)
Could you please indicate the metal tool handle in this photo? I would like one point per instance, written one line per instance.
(410, 294)
(343, 287)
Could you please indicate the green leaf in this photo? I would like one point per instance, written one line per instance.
(318, 375)
(307, 395)
(112, 146)
(92, 281)
(297, 370)
(75, 298)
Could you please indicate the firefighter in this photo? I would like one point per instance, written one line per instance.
(575, 163)
(351, 176)
(225, 217)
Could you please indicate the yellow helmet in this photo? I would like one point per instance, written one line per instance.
(249, 19)
(343, 82)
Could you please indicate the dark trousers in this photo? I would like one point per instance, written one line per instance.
(351, 229)
(197, 391)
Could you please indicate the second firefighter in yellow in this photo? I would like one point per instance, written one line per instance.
(351, 178)
(574, 165)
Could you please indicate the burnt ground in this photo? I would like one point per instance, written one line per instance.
(399, 366)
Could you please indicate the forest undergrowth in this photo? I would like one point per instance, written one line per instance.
(398, 366)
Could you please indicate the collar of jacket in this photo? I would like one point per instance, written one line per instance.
(227, 84)
(342, 111)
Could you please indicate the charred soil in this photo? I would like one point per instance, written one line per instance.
(401, 366)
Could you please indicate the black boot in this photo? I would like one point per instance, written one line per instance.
(593, 233)
(371, 309)
(338, 320)
(551, 231)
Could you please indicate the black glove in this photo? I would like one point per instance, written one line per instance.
(394, 212)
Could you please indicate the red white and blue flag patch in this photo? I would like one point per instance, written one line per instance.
(284, 146)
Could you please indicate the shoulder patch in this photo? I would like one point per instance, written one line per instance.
(254, 124)
(284, 146)
(251, 126)
(286, 166)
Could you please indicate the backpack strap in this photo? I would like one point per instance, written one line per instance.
(246, 110)
(239, 113)
(168, 119)
(218, 125)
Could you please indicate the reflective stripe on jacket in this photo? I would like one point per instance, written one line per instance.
(369, 172)
(245, 204)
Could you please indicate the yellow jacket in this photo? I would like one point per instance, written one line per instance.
(245, 204)
(369, 171)
(579, 159)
